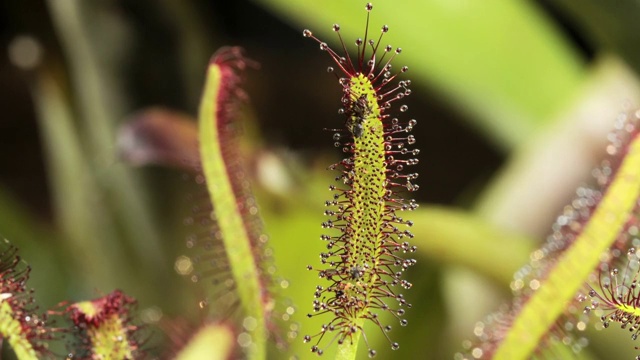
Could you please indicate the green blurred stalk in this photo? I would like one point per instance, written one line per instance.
(451, 236)
(99, 105)
(76, 204)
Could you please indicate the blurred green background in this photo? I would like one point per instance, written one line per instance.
(513, 100)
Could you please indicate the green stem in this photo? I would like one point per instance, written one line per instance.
(349, 349)
(449, 235)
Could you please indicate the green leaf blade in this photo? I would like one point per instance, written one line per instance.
(568, 275)
(228, 215)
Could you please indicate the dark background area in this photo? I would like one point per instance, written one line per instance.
(301, 95)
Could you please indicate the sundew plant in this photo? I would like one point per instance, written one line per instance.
(184, 180)
(362, 266)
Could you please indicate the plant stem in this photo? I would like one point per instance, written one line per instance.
(349, 349)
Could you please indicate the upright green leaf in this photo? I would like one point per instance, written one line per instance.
(225, 182)
(571, 258)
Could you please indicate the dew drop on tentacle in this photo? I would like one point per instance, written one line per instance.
(307, 33)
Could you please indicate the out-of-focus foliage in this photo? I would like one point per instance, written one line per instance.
(609, 24)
